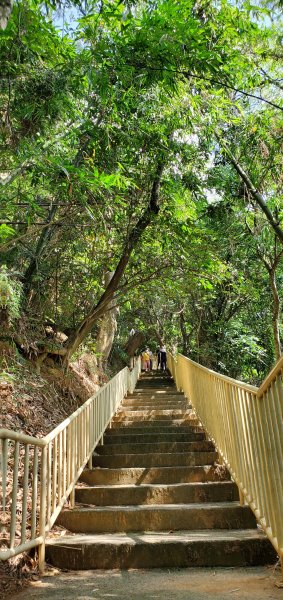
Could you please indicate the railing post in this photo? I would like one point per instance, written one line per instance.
(90, 462)
(72, 498)
(73, 460)
(241, 497)
(63, 454)
(42, 509)
(177, 374)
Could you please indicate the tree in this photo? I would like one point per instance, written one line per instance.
(110, 135)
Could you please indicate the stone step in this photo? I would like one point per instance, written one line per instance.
(181, 493)
(144, 438)
(158, 406)
(154, 447)
(156, 390)
(152, 415)
(218, 548)
(156, 409)
(151, 398)
(155, 460)
(144, 404)
(156, 475)
(173, 423)
(158, 517)
(119, 430)
(159, 380)
(156, 394)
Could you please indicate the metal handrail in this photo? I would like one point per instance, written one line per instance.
(51, 467)
(274, 373)
(246, 425)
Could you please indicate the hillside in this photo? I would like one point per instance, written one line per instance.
(35, 404)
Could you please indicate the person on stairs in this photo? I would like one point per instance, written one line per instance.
(145, 360)
(163, 358)
(150, 358)
(158, 358)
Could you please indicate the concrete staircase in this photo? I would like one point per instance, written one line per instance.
(156, 496)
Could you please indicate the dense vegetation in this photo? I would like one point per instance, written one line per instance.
(141, 171)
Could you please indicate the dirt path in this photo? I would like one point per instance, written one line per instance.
(257, 583)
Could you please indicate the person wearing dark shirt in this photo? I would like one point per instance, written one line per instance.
(163, 358)
(158, 354)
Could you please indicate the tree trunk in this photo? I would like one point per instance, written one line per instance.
(275, 313)
(4, 320)
(85, 327)
(107, 330)
(44, 238)
(5, 11)
(185, 335)
(271, 266)
(134, 342)
(254, 192)
(46, 233)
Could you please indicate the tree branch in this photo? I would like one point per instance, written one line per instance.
(228, 86)
(85, 327)
(252, 189)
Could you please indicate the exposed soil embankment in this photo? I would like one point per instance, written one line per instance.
(35, 403)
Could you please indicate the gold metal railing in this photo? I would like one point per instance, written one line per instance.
(44, 471)
(246, 425)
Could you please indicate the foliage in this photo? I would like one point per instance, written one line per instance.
(89, 112)
(10, 294)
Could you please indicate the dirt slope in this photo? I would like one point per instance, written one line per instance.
(35, 403)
